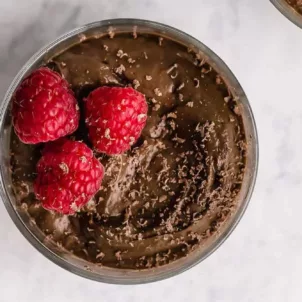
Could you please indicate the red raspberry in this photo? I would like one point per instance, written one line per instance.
(44, 108)
(115, 118)
(68, 176)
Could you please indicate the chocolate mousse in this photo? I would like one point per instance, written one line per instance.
(296, 4)
(179, 183)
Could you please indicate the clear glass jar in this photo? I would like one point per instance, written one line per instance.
(289, 12)
(67, 260)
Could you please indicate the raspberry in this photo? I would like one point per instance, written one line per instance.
(68, 176)
(115, 118)
(44, 108)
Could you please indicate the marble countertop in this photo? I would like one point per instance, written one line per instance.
(262, 259)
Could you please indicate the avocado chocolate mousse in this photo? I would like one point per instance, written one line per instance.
(296, 4)
(177, 185)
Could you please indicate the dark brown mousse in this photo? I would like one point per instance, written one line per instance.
(179, 183)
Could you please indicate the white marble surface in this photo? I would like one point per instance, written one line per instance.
(262, 260)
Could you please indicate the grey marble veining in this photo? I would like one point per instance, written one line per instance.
(262, 260)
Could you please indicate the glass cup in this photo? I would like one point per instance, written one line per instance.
(289, 12)
(82, 267)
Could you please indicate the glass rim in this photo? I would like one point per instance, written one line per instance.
(218, 64)
(287, 11)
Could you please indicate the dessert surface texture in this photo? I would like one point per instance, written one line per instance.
(177, 185)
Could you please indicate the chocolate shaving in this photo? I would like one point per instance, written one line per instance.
(121, 54)
(134, 33)
(157, 92)
(111, 32)
(205, 71)
(131, 61)
(172, 68)
(136, 83)
(181, 86)
(120, 69)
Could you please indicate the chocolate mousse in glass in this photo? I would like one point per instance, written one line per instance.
(174, 197)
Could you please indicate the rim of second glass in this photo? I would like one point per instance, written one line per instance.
(134, 278)
(289, 12)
